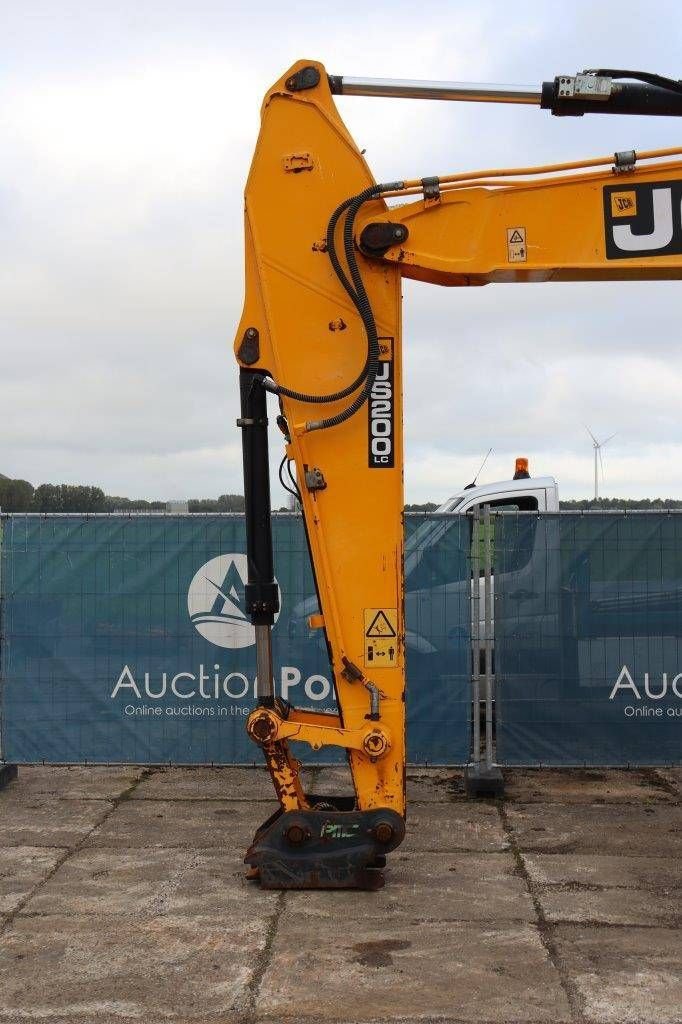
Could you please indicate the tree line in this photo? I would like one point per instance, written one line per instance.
(605, 504)
(22, 496)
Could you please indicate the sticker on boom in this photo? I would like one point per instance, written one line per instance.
(380, 425)
(381, 637)
(643, 220)
(516, 245)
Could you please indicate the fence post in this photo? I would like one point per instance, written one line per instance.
(488, 602)
(8, 772)
(475, 614)
(482, 779)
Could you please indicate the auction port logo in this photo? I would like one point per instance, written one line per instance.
(216, 602)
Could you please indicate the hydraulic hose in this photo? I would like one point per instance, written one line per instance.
(361, 301)
(658, 81)
(355, 289)
(301, 396)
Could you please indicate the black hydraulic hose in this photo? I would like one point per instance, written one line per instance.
(296, 494)
(331, 247)
(358, 294)
(301, 396)
(658, 81)
(364, 308)
(294, 484)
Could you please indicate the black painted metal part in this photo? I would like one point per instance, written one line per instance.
(332, 846)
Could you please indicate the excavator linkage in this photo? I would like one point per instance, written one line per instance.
(326, 252)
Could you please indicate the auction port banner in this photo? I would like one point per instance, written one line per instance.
(588, 638)
(124, 639)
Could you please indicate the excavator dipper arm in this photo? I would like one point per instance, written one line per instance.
(321, 331)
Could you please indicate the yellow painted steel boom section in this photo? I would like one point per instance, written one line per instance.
(321, 330)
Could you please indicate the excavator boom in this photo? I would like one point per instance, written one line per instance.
(321, 332)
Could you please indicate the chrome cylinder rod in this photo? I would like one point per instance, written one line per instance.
(265, 685)
(471, 92)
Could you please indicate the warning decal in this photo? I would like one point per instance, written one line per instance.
(380, 624)
(381, 637)
(516, 245)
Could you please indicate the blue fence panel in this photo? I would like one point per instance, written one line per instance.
(588, 638)
(438, 637)
(123, 638)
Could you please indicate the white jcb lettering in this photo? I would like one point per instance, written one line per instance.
(662, 233)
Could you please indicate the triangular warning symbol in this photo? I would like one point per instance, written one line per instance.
(516, 236)
(380, 626)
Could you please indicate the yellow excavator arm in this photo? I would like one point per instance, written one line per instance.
(321, 330)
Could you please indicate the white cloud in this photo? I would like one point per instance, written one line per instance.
(126, 136)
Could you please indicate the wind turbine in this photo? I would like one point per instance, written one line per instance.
(598, 445)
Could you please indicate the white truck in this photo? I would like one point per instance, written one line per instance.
(434, 588)
(434, 574)
(521, 494)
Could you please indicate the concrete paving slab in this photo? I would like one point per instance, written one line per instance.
(151, 882)
(654, 829)
(165, 875)
(604, 871)
(94, 782)
(186, 823)
(471, 972)
(97, 1014)
(584, 786)
(612, 906)
(458, 826)
(334, 781)
(424, 785)
(435, 785)
(134, 968)
(673, 777)
(624, 975)
(45, 821)
(221, 783)
(21, 869)
(430, 887)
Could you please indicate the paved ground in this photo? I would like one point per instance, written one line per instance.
(122, 899)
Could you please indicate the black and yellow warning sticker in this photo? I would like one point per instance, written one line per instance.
(381, 637)
(516, 245)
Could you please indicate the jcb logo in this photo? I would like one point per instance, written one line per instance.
(645, 220)
(623, 204)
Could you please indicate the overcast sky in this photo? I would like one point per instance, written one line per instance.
(126, 132)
